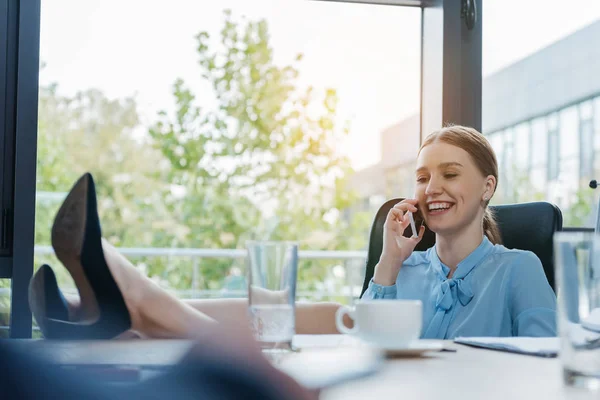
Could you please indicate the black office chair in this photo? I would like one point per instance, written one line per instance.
(525, 226)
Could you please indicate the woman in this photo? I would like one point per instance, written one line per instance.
(470, 284)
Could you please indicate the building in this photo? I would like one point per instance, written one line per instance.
(541, 115)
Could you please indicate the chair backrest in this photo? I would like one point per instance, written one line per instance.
(524, 226)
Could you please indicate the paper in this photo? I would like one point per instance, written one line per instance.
(327, 360)
(542, 347)
(324, 341)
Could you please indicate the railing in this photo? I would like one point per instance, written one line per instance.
(352, 262)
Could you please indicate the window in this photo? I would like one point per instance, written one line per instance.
(4, 307)
(207, 124)
(586, 134)
(596, 117)
(508, 170)
(191, 119)
(525, 84)
(496, 140)
(553, 154)
(522, 147)
(569, 132)
(539, 142)
(538, 180)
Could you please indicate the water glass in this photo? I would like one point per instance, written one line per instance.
(272, 273)
(577, 263)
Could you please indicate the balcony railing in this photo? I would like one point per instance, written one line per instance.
(348, 283)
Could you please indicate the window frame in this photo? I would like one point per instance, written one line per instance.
(18, 124)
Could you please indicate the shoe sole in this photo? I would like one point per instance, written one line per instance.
(67, 240)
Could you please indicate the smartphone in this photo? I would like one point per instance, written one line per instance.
(412, 224)
(415, 220)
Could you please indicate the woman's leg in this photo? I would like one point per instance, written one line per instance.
(158, 314)
(311, 318)
(154, 312)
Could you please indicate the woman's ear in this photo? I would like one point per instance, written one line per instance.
(490, 187)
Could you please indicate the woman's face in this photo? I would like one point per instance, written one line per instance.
(450, 188)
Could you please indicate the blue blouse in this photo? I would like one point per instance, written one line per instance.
(494, 292)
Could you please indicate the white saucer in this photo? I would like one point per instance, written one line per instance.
(414, 349)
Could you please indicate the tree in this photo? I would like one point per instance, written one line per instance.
(264, 162)
(89, 132)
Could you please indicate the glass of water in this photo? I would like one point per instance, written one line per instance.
(577, 263)
(272, 273)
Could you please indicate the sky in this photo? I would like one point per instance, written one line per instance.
(369, 53)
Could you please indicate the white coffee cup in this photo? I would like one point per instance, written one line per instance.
(386, 323)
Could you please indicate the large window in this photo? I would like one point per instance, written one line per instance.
(209, 123)
(547, 103)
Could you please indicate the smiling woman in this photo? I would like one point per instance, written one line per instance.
(476, 170)
(470, 285)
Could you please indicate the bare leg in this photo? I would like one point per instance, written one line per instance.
(311, 318)
(154, 312)
(158, 314)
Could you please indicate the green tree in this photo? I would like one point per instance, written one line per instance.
(264, 162)
(89, 132)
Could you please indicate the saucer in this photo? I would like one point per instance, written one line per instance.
(413, 349)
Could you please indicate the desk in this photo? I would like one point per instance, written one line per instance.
(469, 373)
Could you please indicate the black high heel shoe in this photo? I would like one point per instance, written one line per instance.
(77, 242)
(46, 299)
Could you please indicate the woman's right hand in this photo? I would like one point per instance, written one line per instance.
(396, 247)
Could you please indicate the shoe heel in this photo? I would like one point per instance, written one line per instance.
(77, 242)
(68, 235)
(46, 300)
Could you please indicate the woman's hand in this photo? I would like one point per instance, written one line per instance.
(396, 248)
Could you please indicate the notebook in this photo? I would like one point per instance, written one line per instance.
(541, 347)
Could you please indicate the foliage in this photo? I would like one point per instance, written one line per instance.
(262, 163)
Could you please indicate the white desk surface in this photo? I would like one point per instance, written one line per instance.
(470, 373)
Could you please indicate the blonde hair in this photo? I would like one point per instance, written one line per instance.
(483, 155)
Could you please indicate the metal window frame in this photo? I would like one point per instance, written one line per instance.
(450, 93)
(19, 74)
(451, 62)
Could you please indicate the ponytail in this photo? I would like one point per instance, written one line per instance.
(490, 227)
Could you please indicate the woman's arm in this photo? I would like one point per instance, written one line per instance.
(531, 301)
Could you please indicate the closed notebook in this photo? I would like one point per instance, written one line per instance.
(541, 347)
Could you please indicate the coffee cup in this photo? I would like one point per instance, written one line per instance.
(386, 323)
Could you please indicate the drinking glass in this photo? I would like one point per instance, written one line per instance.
(272, 273)
(577, 264)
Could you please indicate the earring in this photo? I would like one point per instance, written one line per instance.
(485, 198)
